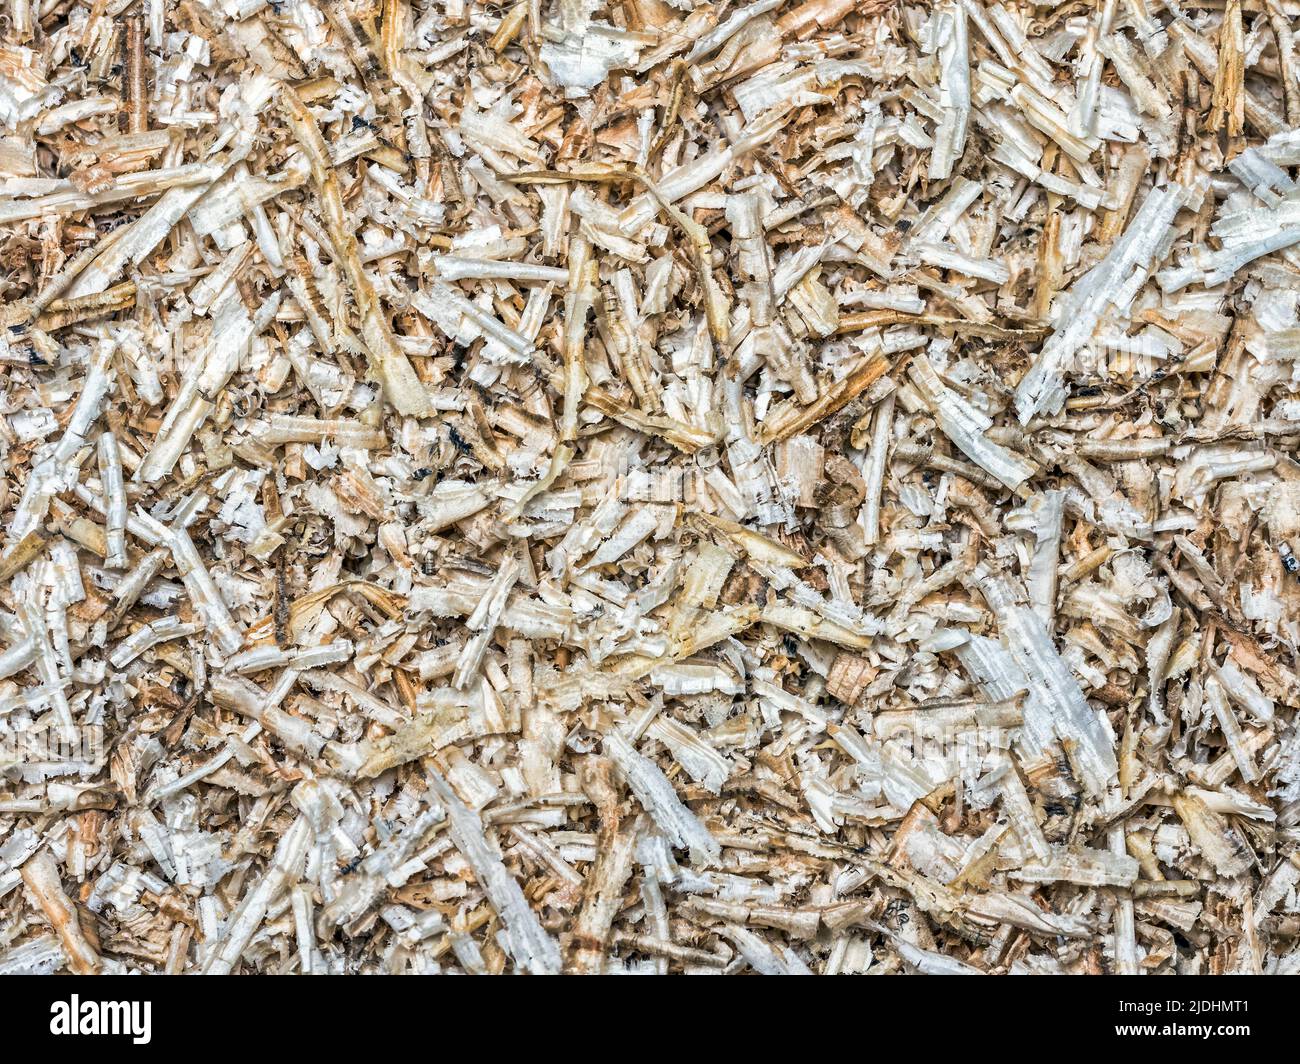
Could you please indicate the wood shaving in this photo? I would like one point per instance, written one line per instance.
(650, 487)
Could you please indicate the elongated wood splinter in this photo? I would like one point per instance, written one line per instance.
(137, 81)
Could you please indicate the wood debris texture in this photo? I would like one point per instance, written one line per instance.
(791, 486)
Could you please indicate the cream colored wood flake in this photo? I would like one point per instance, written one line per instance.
(790, 486)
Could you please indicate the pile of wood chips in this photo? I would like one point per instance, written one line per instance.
(645, 486)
